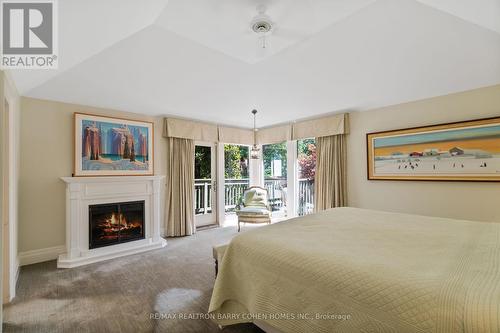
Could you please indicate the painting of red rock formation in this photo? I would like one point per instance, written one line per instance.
(110, 146)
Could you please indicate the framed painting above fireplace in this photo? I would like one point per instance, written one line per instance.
(106, 146)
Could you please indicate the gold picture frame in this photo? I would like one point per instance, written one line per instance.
(459, 151)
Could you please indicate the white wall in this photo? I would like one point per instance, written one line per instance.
(461, 200)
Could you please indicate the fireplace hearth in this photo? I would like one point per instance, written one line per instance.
(115, 223)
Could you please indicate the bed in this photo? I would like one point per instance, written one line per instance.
(357, 270)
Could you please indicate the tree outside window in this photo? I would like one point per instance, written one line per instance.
(235, 162)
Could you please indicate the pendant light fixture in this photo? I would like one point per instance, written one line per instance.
(254, 152)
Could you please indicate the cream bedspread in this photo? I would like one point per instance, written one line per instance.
(384, 272)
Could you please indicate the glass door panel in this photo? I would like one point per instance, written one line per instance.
(274, 158)
(236, 175)
(204, 184)
(306, 171)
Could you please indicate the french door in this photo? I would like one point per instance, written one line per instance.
(289, 170)
(275, 159)
(205, 185)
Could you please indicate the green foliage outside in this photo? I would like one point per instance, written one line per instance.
(303, 146)
(272, 152)
(235, 162)
(306, 158)
(202, 162)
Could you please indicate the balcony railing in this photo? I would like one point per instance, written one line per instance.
(277, 189)
(305, 197)
(202, 196)
(233, 191)
(234, 188)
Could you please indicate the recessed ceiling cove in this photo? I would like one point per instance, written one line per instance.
(225, 25)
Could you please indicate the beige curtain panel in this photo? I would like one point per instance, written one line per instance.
(274, 134)
(331, 178)
(235, 135)
(326, 126)
(179, 207)
(187, 129)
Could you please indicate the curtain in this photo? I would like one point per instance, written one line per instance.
(331, 178)
(179, 207)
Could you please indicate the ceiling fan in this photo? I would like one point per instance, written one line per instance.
(263, 26)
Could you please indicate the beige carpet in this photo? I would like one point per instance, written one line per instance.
(120, 295)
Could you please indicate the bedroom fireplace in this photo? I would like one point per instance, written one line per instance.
(111, 224)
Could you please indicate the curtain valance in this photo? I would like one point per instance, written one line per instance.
(235, 135)
(188, 129)
(199, 131)
(319, 127)
(274, 134)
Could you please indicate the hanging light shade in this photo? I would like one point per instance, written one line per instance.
(254, 152)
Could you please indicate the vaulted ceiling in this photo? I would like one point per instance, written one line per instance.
(199, 59)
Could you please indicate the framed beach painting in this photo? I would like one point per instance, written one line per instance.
(106, 146)
(462, 151)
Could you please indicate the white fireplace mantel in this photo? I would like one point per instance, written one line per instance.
(81, 192)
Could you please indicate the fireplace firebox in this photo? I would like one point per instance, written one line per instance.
(111, 224)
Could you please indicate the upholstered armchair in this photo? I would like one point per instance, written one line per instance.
(254, 206)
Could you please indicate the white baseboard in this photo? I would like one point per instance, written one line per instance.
(40, 255)
(110, 252)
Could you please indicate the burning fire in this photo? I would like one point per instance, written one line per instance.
(118, 222)
(114, 221)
